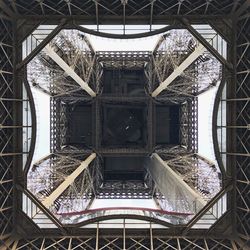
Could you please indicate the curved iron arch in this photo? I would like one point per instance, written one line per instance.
(123, 216)
(128, 36)
(214, 125)
(33, 126)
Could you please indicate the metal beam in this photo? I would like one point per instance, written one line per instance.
(39, 207)
(8, 243)
(178, 180)
(151, 236)
(206, 208)
(126, 36)
(209, 47)
(199, 50)
(68, 70)
(41, 45)
(48, 201)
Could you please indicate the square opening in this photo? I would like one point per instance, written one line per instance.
(124, 125)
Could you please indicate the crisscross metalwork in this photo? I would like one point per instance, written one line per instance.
(229, 18)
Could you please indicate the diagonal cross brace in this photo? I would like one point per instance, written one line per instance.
(68, 70)
(199, 50)
(48, 201)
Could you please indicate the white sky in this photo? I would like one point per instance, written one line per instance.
(42, 106)
(141, 44)
(205, 112)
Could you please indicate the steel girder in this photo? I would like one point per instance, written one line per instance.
(125, 12)
(8, 102)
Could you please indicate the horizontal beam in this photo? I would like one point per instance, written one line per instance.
(41, 44)
(48, 201)
(68, 70)
(116, 19)
(199, 50)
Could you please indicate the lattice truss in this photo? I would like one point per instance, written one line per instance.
(190, 180)
(238, 98)
(7, 130)
(128, 189)
(46, 73)
(182, 66)
(124, 59)
(188, 124)
(201, 175)
(240, 126)
(125, 10)
(47, 181)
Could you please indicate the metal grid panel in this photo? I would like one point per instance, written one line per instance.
(36, 214)
(35, 38)
(7, 130)
(242, 128)
(148, 242)
(124, 9)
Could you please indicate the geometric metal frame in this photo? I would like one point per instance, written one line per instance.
(229, 18)
(55, 117)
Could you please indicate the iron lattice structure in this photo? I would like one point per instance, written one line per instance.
(19, 18)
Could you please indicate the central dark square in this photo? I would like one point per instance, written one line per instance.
(124, 125)
(79, 130)
(124, 168)
(167, 124)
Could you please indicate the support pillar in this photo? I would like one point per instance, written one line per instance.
(68, 70)
(48, 201)
(179, 70)
(172, 186)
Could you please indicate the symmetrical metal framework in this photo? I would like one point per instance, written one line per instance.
(229, 18)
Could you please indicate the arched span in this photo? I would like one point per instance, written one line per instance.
(166, 217)
(123, 216)
(33, 124)
(126, 208)
(214, 124)
(126, 36)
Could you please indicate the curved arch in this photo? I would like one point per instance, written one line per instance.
(127, 208)
(33, 125)
(149, 213)
(128, 36)
(214, 125)
(123, 216)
